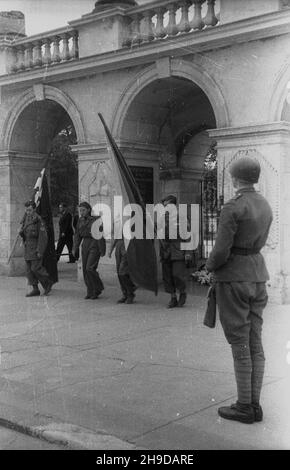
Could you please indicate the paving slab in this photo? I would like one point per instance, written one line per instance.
(94, 374)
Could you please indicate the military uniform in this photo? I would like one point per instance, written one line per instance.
(127, 286)
(92, 250)
(172, 257)
(240, 273)
(65, 236)
(34, 236)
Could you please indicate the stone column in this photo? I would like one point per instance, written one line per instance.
(18, 175)
(270, 144)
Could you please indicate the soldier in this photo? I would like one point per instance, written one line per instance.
(240, 273)
(174, 260)
(34, 236)
(65, 233)
(127, 286)
(92, 250)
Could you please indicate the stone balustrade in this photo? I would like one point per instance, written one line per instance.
(44, 49)
(165, 19)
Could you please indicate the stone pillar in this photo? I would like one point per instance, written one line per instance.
(103, 30)
(96, 179)
(270, 144)
(18, 175)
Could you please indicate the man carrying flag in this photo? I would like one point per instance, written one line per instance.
(34, 236)
(38, 237)
(140, 251)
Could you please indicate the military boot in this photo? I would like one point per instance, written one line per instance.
(258, 412)
(182, 299)
(48, 287)
(173, 303)
(244, 413)
(130, 299)
(35, 291)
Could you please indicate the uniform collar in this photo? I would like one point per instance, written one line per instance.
(249, 189)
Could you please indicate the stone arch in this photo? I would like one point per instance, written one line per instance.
(279, 93)
(49, 93)
(179, 68)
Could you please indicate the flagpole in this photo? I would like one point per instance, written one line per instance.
(18, 235)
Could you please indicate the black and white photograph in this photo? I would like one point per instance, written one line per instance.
(144, 229)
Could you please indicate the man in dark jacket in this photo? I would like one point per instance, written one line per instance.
(127, 285)
(34, 235)
(92, 250)
(174, 260)
(241, 274)
(65, 233)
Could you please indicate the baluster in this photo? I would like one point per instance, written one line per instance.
(37, 54)
(65, 51)
(135, 30)
(197, 22)
(20, 58)
(172, 28)
(184, 25)
(160, 30)
(210, 19)
(29, 56)
(148, 34)
(75, 45)
(47, 52)
(56, 52)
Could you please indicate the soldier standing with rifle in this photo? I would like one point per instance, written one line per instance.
(240, 274)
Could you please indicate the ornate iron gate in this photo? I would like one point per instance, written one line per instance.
(209, 203)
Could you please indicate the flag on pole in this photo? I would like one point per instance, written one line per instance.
(140, 252)
(43, 209)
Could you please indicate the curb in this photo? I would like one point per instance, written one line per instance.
(29, 431)
(70, 436)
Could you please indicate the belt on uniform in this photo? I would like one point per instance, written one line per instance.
(244, 251)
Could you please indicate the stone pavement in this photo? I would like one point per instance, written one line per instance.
(97, 375)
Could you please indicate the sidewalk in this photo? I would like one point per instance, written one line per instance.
(94, 374)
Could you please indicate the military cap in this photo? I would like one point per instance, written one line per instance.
(86, 205)
(30, 203)
(246, 169)
(170, 199)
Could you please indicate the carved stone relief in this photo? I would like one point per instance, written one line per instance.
(268, 186)
(96, 184)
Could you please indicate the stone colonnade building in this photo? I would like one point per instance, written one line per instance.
(171, 79)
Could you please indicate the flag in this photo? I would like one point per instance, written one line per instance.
(141, 253)
(43, 209)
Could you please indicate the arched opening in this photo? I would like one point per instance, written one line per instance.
(286, 106)
(163, 134)
(42, 136)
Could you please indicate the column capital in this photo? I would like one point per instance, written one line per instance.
(93, 151)
(260, 130)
